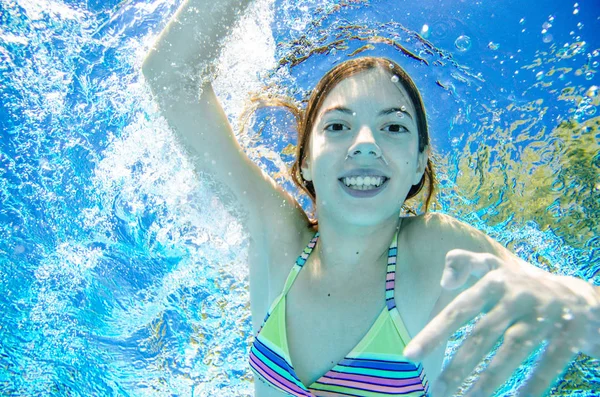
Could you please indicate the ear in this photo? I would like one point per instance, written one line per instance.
(421, 165)
(306, 169)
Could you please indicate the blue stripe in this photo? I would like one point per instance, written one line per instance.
(274, 357)
(392, 252)
(378, 364)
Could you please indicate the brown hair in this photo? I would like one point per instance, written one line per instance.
(305, 118)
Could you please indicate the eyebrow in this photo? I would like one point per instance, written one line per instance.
(383, 112)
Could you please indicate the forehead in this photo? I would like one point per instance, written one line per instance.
(369, 91)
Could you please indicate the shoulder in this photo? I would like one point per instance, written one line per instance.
(431, 222)
(435, 232)
(429, 237)
(427, 233)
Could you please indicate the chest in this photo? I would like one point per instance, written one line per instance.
(326, 320)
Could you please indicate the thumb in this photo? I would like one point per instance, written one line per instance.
(461, 264)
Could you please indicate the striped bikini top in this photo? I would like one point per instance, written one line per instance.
(375, 367)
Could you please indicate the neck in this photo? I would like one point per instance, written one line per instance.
(350, 247)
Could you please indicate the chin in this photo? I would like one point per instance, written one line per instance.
(365, 215)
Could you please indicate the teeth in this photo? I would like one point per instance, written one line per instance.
(363, 182)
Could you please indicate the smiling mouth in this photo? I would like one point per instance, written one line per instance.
(364, 183)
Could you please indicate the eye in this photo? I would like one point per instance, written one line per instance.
(395, 128)
(336, 127)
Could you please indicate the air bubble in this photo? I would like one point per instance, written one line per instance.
(391, 65)
(546, 25)
(576, 11)
(567, 314)
(522, 21)
(400, 115)
(579, 25)
(463, 43)
(540, 319)
(403, 108)
(589, 75)
(551, 18)
(595, 64)
(592, 91)
(547, 38)
(395, 79)
(493, 46)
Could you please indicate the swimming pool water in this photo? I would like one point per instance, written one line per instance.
(121, 274)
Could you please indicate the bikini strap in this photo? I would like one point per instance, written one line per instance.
(390, 278)
(299, 264)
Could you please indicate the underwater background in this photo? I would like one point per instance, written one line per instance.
(121, 274)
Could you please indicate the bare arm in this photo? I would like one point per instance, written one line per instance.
(522, 305)
(173, 70)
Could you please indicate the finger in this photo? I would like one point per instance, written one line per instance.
(520, 341)
(461, 264)
(473, 350)
(464, 307)
(552, 363)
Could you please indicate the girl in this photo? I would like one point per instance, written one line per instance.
(339, 320)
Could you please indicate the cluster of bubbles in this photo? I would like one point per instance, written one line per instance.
(546, 36)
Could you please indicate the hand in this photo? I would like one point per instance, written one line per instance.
(524, 305)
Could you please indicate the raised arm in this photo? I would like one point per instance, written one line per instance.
(173, 69)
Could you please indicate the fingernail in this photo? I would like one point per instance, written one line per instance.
(412, 352)
(438, 389)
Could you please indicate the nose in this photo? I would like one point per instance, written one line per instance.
(364, 145)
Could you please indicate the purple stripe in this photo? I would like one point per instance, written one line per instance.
(274, 378)
(373, 380)
(375, 388)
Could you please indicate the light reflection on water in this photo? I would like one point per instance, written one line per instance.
(120, 274)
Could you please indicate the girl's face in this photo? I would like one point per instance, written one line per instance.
(364, 154)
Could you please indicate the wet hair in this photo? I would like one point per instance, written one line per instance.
(305, 119)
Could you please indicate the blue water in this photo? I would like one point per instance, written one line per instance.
(121, 274)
